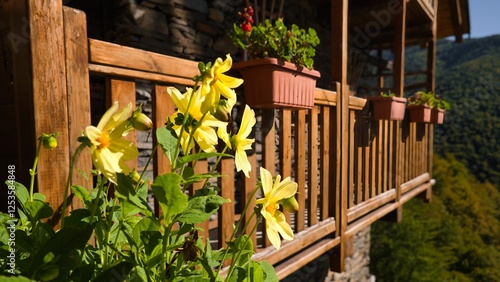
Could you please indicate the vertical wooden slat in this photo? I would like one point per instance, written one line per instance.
(285, 151)
(380, 141)
(123, 92)
(226, 211)
(300, 166)
(268, 153)
(313, 166)
(202, 167)
(325, 161)
(350, 159)
(359, 161)
(366, 162)
(247, 196)
(373, 166)
(49, 96)
(78, 89)
(391, 155)
(163, 107)
(385, 168)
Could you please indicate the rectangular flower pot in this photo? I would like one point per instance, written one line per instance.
(388, 108)
(420, 113)
(271, 83)
(437, 116)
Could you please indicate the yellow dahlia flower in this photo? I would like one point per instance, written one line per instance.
(274, 192)
(108, 147)
(240, 142)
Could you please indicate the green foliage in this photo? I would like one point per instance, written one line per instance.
(455, 238)
(468, 76)
(275, 40)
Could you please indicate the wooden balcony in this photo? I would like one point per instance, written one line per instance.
(350, 169)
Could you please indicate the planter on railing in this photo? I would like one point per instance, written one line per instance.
(388, 108)
(271, 83)
(437, 116)
(420, 113)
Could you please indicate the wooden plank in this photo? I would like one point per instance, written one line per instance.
(325, 161)
(248, 197)
(136, 59)
(380, 140)
(163, 107)
(226, 211)
(385, 168)
(285, 151)
(313, 166)
(300, 167)
(268, 152)
(123, 92)
(49, 96)
(350, 159)
(358, 137)
(325, 97)
(409, 185)
(307, 255)
(373, 166)
(136, 74)
(201, 166)
(391, 159)
(78, 89)
(302, 239)
(370, 205)
(366, 162)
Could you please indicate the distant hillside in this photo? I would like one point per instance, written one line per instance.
(468, 75)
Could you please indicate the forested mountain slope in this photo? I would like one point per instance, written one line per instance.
(468, 76)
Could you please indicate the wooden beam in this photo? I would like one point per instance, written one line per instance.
(456, 19)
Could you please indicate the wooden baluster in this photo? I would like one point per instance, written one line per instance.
(312, 168)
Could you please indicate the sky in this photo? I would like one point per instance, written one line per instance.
(484, 17)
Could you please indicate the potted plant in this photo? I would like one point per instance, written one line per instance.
(279, 70)
(387, 106)
(439, 106)
(419, 106)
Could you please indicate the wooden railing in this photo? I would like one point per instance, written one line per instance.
(384, 164)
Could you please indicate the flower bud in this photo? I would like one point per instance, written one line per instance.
(140, 121)
(290, 204)
(223, 110)
(136, 177)
(49, 141)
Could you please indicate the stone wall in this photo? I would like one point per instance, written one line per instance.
(197, 29)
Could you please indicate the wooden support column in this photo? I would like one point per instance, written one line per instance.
(339, 20)
(399, 78)
(48, 100)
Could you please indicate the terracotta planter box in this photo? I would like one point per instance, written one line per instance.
(437, 116)
(420, 113)
(388, 108)
(270, 83)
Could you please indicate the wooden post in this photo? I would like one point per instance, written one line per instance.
(48, 99)
(339, 19)
(399, 76)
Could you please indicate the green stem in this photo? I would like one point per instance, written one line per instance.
(33, 170)
(237, 227)
(96, 201)
(164, 249)
(68, 182)
(238, 254)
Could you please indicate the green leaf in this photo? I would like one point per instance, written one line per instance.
(167, 191)
(22, 193)
(125, 192)
(38, 209)
(82, 194)
(269, 272)
(118, 272)
(201, 208)
(138, 275)
(146, 224)
(15, 279)
(167, 141)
